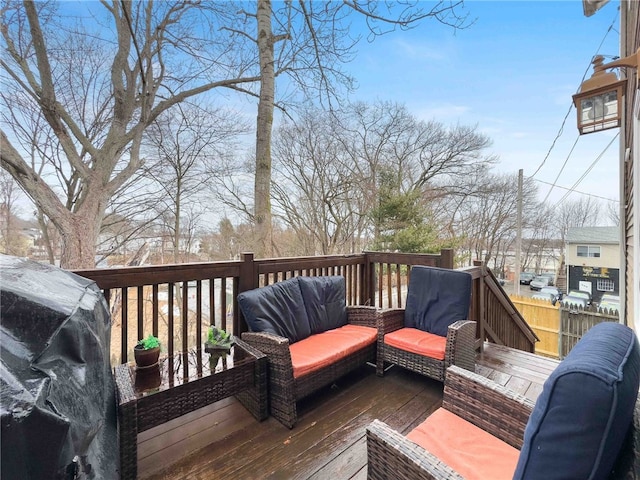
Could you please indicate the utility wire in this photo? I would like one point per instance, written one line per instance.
(576, 191)
(559, 134)
(566, 160)
(593, 164)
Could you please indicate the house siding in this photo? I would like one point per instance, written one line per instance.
(629, 166)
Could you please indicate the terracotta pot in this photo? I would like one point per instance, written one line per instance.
(146, 358)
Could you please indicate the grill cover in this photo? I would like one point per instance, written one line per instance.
(57, 405)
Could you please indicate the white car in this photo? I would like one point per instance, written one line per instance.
(539, 282)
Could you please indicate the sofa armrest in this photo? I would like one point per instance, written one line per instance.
(391, 456)
(390, 320)
(362, 315)
(276, 348)
(487, 404)
(460, 349)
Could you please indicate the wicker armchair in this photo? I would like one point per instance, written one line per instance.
(438, 302)
(585, 423)
(475, 398)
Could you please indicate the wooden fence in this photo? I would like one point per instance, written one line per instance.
(574, 322)
(559, 328)
(544, 319)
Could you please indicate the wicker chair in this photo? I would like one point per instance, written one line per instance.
(475, 398)
(437, 306)
(585, 423)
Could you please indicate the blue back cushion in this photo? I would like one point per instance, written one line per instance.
(277, 309)
(437, 297)
(585, 410)
(325, 302)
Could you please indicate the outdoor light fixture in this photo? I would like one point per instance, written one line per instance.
(599, 101)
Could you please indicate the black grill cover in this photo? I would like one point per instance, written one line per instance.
(57, 404)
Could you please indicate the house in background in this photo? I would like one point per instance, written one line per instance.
(593, 260)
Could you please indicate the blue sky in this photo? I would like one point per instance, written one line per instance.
(512, 73)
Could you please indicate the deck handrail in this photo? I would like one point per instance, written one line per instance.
(178, 302)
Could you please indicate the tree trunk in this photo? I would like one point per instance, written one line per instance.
(79, 239)
(262, 188)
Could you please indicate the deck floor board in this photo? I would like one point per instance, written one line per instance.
(329, 440)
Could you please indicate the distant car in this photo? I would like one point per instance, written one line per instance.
(580, 294)
(539, 282)
(551, 276)
(555, 291)
(526, 277)
(549, 297)
(610, 302)
(574, 302)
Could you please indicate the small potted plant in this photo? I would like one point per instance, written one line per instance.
(218, 340)
(147, 352)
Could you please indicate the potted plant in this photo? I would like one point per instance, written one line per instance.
(147, 352)
(218, 340)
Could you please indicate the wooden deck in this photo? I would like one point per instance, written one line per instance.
(329, 440)
(522, 372)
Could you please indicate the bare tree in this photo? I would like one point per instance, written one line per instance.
(160, 54)
(584, 212)
(188, 148)
(307, 42)
(328, 169)
(11, 241)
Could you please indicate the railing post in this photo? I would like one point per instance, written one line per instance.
(446, 258)
(248, 280)
(482, 314)
(368, 292)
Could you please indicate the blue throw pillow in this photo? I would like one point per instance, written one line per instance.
(325, 302)
(585, 410)
(278, 309)
(437, 297)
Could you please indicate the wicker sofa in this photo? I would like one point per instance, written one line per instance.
(309, 335)
(585, 424)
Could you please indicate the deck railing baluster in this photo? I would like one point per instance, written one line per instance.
(124, 319)
(223, 304)
(154, 313)
(170, 332)
(185, 316)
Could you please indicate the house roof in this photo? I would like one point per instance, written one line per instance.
(594, 235)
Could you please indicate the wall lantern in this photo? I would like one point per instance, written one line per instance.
(599, 101)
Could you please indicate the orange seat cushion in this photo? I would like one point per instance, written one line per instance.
(469, 450)
(323, 349)
(416, 341)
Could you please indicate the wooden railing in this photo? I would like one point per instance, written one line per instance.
(177, 303)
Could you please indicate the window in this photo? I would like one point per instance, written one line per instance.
(605, 285)
(588, 251)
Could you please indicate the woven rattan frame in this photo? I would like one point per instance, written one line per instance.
(284, 389)
(460, 349)
(247, 381)
(490, 406)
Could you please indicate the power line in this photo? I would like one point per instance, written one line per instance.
(576, 191)
(593, 164)
(560, 131)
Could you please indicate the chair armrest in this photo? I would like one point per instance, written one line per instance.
(461, 342)
(390, 320)
(391, 456)
(362, 315)
(487, 404)
(276, 348)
